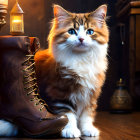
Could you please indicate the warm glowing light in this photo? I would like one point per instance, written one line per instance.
(17, 25)
(16, 21)
(4, 2)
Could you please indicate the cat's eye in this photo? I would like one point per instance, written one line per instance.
(72, 31)
(90, 32)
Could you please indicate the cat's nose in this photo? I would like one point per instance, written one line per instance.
(81, 39)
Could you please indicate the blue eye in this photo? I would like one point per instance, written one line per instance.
(90, 31)
(72, 31)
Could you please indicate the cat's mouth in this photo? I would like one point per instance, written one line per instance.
(81, 48)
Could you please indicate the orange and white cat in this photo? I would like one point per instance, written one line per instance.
(72, 70)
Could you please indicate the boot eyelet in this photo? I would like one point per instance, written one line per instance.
(36, 104)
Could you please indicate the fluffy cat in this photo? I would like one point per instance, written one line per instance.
(72, 70)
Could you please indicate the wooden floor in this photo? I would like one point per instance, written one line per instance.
(112, 127)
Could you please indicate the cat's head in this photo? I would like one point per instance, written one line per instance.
(78, 33)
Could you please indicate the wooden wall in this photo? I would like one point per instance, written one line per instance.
(138, 43)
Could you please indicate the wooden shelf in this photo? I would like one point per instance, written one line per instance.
(129, 15)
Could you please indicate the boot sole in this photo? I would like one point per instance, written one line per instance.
(46, 133)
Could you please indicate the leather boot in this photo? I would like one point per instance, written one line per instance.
(20, 102)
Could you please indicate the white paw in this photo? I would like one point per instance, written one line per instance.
(7, 129)
(90, 131)
(71, 132)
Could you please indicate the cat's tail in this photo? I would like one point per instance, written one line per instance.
(7, 129)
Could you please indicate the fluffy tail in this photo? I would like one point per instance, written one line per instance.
(7, 129)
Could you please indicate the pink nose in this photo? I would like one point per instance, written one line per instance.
(81, 39)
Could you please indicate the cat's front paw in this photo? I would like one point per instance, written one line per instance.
(90, 131)
(71, 132)
(7, 129)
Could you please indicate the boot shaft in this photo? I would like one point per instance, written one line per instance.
(14, 99)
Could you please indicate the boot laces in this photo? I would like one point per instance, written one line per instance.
(30, 81)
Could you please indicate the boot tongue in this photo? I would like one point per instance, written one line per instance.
(34, 45)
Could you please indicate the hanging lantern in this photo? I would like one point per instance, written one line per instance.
(16, 20)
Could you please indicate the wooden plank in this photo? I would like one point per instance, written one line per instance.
(135, 11)
(132, 7)
(118, 126)
(132, 54)
(138, 43)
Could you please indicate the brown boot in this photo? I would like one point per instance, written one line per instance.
(20, 102)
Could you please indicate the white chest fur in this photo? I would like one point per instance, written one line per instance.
(87, 66)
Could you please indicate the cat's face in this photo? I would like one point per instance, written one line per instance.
(78, 33)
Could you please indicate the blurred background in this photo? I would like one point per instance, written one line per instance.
(124, 26)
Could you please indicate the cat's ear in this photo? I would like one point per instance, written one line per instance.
(100, 14)
(59, 12)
